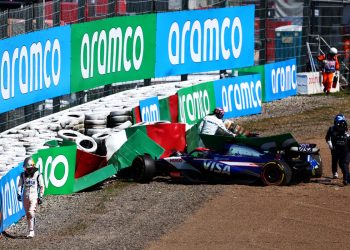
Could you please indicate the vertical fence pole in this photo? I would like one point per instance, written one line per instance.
(56, 13)
(184, 77)
(28, 26)
(56, 22)
(3, 34)
(81, 18)
(111, 8)
(262, 14)
(305, 33)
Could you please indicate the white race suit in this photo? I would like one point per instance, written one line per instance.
(210, 125)
(33, 187)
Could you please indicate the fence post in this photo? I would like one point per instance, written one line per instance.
(4, 15)
(56, 22)
(39, 16)
(28, 26)
(305, 32)
(56, 13)
(184, 77)
(262, 14)
(81, 11)
(111, 8)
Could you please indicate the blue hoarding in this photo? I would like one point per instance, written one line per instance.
(11, 209)
(239, 96)
(149, 109)
(280, 80)
(204, 40)
(34, 67)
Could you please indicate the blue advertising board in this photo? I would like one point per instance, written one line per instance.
(34, 67)
(239, 96)
(204, 40)
(280, 80)
(11, 209)
(149, 109)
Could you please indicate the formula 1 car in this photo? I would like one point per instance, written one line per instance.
(234, 162)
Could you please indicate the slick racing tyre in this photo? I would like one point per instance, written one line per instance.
(319, 170)
(143, 168)
(276, 173)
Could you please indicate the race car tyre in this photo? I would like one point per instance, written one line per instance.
(319, 170)
(143, 168)
(276, 173)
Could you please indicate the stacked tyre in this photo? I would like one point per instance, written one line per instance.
(85, 143)
(95, 123)
(120, 118)
(74, 121)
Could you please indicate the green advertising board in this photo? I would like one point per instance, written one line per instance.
(196, 102)
(260, 69)
(112, 50)
(57, 165)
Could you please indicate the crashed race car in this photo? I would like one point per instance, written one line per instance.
(236, 161)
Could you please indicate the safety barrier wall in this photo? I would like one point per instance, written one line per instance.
(279, 79)
(51, 63)
(34, 67)
(11, 209)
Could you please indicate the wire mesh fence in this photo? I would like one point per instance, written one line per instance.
(282, 30)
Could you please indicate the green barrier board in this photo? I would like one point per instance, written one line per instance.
(93, 178)
(57, 165)
(192, 138)
(112, 50)
(196, 102)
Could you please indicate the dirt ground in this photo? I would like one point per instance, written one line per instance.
(162, 215)
(306, 216)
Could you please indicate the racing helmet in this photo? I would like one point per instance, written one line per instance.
(29, 163)
(219, 113)
(333, 51)
(340, 122)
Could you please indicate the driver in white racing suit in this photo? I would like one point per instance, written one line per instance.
(214, 125)
(32, 185)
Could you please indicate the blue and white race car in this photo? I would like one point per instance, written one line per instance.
(236, 162)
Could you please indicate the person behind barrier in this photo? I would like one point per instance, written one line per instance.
(330, 65)
(338, 140)
(30, 191)
(213, 124)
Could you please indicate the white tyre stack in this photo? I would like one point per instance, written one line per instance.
(100, 139)
(95, 123)
(120, 117)
(87, 144)
(74, 121)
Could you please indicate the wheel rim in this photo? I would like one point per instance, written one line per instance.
(273, 174)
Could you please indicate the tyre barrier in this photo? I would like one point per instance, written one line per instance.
(95, 123)
(87, 144)
(119, 117)
(73, 121)
(100, 139)
(124, 125)
(69, 134)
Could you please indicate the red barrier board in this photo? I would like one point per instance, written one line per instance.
(87, 163)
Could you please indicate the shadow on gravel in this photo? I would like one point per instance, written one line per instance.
(13, 236)
(326, 181)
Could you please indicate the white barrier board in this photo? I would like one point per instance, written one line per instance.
(311, 83)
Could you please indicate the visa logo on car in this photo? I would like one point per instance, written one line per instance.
(176, 160)
(216, 167)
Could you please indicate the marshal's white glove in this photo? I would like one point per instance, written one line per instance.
(330, 145)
